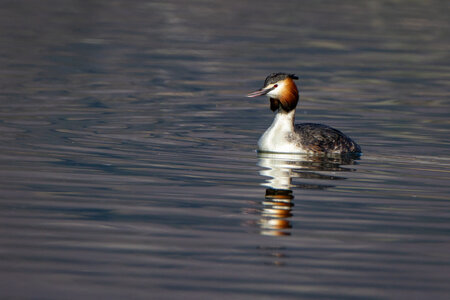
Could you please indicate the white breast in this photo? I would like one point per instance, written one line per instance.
(279, 137)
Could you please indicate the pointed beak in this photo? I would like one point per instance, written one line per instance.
(260, 92)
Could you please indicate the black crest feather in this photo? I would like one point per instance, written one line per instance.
(275, 77)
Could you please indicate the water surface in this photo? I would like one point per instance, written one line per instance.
(128, 167)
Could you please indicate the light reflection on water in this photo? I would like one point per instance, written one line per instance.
(281, 169)
(127, 150)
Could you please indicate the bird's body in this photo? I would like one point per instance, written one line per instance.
(284, 136)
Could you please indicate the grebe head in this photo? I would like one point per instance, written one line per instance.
(281, 90)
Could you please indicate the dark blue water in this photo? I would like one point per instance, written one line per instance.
(128, 167)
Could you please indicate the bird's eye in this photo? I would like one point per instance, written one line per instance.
(275, 85)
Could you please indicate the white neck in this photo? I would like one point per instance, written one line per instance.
(284, 121)
(276, 137)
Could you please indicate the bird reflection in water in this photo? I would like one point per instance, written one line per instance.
(280, 170)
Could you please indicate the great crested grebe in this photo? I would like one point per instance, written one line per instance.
(285, 137)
